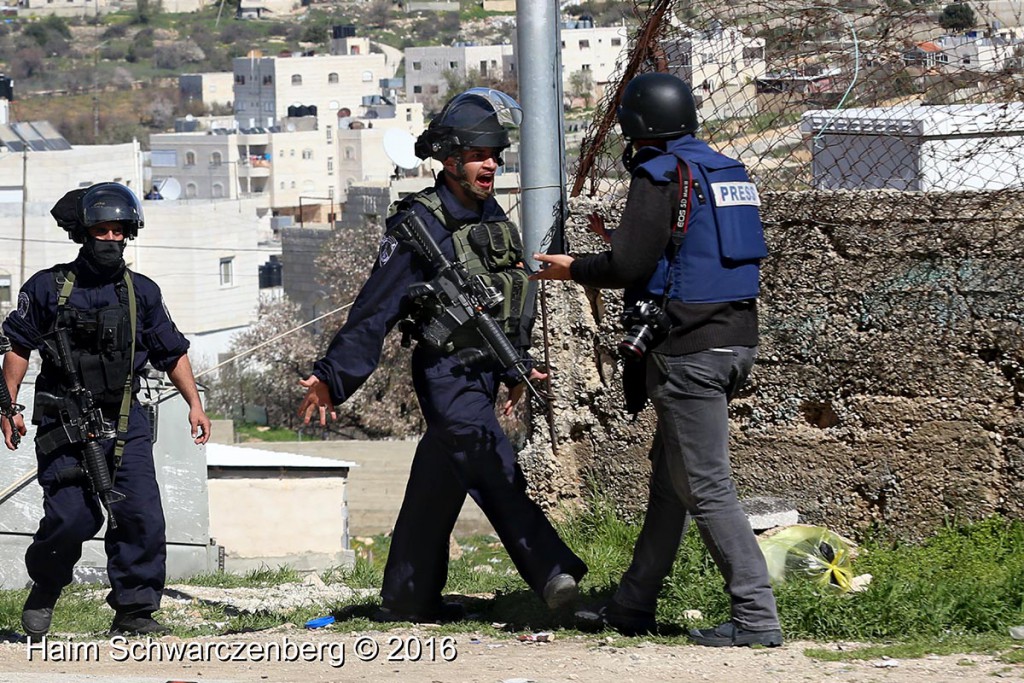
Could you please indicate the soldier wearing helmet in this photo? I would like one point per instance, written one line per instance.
(687, 253)
(114, 322)
(464, 449)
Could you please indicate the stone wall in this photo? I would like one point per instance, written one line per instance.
(888, 390)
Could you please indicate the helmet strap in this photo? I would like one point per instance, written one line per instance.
(627, 156)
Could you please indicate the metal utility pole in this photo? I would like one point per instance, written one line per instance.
(542, 145)
(24, 211)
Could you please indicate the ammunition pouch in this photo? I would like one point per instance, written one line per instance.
(493, 251)
(100, 350)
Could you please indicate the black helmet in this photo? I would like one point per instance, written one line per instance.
(81, 209)
(479, 117)
(656, 106)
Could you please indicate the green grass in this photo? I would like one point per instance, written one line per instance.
(959, 591)
(249, 432)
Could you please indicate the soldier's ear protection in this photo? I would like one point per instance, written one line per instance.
(65, 212)
(433, 143)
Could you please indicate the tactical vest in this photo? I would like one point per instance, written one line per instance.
(493, 250)
(102, 343)
(718, 244)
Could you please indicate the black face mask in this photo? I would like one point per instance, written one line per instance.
(106, 257)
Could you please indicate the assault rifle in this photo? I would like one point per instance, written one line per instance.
(81, 422)
(459, 299)
(8, 408)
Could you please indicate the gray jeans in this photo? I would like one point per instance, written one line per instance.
(691, 478)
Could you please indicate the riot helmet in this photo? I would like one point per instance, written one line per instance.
(657, 106)
(78, 210)
(479, 117)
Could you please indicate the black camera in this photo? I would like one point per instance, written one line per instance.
(644, 322)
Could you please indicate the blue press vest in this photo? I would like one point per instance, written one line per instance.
(723, 239)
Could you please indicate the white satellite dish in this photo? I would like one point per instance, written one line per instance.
(170, 189)
(400, 147)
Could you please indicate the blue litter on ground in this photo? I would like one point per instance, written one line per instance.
(320, 622)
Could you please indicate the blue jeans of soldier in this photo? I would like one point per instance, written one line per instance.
(691, 478)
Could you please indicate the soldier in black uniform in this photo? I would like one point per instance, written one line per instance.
(464, 449)
(115, 323)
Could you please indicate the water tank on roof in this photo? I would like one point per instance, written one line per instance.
(345, 31)
(6, 88)
(270, 273)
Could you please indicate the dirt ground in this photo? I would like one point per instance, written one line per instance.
(292, 654)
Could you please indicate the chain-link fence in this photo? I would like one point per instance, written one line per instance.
(851, 95)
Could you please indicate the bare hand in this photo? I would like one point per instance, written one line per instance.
(318, 399)
(200, 424)
(19, 424)
(596, 225)
(516, 392)
(556, 267)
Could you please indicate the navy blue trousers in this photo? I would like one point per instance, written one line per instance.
(464, 450)
(136, 549)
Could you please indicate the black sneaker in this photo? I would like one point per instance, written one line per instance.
(560, 590)
(625, 620)
(37, 613)
(445, 613)
(731, 635)
(137, 624)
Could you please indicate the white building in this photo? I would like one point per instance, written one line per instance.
(290, 171)
(426, 67)
(211, 88)
(65, 8)
(32, 178)
(918, 148)
(593, 53)
(205, 256)
(266, 88)
(92, 8)
(722, 65)
(980, 51)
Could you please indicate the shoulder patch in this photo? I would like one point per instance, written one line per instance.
(23, 302)
(387, 248)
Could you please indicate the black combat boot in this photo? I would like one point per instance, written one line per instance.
(37, 613)
(137, 624)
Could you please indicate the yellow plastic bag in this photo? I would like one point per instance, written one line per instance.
(810, 552)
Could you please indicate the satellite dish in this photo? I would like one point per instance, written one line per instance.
(170, 189)
(400, 147)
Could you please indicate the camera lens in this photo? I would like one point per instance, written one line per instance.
(634, 345)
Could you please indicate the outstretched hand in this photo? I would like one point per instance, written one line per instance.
(595, 222)
(516, 392)
(317, 400)
(553, 267)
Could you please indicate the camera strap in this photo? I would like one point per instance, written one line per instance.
(680, 227)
